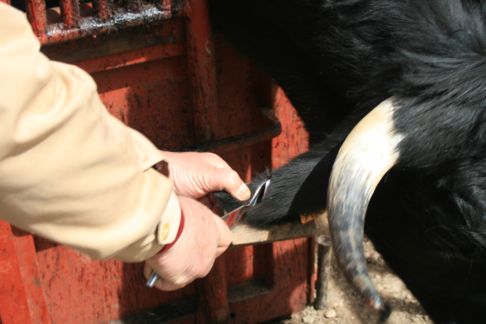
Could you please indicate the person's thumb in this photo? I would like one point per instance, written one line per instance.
(228, 180)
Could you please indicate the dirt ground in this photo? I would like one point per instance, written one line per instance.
(343, 305)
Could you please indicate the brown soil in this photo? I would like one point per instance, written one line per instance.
(344, 306)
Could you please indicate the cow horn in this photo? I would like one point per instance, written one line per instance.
(368, 152)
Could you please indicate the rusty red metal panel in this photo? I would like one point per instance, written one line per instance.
(5, 1)
(153, 97)
(240, 102)
(14, 306)
(294, 138)
(80, 290)
(258, 276)
(271, 280)
(281, 272)
(70, 12)
(288, 291)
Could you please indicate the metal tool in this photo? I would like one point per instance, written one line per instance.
(231, 218)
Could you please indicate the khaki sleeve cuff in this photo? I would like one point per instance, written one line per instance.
(169, 222)
(164, 234)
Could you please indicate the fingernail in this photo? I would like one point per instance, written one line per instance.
(243, 193)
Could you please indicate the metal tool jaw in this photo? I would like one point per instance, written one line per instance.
(233, 217)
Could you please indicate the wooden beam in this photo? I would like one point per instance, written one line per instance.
(244, 234)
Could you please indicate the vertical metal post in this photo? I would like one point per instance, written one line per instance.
(36, 12)
(213, 289)
(213, 306)
(70, 12)
(323, 268)
(311, 268)
(102, 9)
(202, 67)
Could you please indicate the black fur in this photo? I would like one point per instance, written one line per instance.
(337, 59)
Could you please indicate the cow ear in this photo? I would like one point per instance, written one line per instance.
(368, 152)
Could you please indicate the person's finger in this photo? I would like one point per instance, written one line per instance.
(166, 285)
(160, 283)
(163, 284)
(225, 236)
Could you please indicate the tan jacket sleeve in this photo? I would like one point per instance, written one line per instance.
(69, 171)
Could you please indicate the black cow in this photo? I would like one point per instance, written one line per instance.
(422, 63)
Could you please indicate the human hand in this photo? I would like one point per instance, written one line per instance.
(197, 174)
(205, 236)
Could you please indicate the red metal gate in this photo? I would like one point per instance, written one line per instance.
(159, 71)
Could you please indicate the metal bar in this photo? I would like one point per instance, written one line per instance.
(213, 305)
(311, 269)
(36, 12)
(323, 269)
(241, 140)
(237, 141)
(245, 235)
(70, 12)
(167, 39)
(102, 9)
(131, 58)
(201, 60)
(94, 26)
